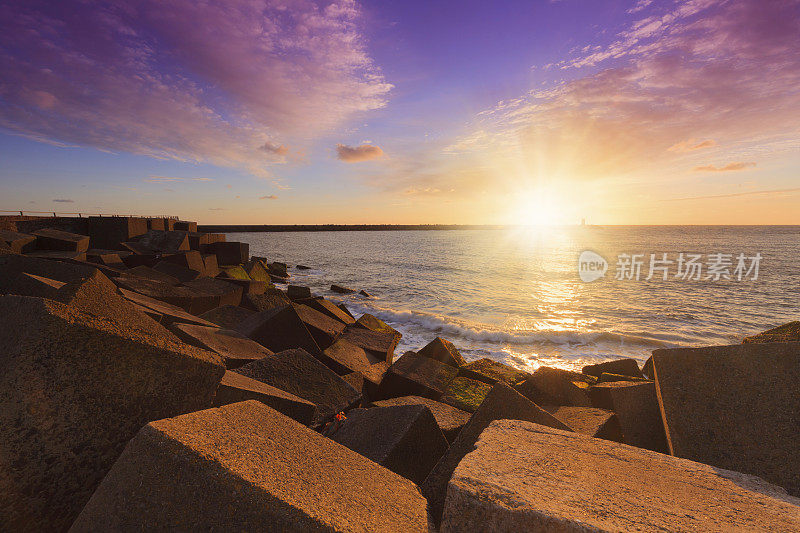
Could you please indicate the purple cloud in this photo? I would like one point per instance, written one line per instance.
(209, 81)
(356, 154)
(64, 201)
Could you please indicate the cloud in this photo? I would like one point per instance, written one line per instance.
(277, 149)
(216, 209)
(769, 192)
(691, 145)
(356, 154)
(208, 82)
(725, 168)
(640, 5)
(270, 197)
(169, 179)
(64, 201)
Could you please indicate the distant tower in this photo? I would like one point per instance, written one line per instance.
(583, 222)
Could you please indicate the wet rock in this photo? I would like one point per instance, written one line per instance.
(449, 418)
(54, 239)
(553, 386)
(256, 271)
(170, 313)
(110, 232)
(296, 292)
(364, 293)
(303, 267)
(238, 388)
(502, 402)
(637, 409)
(662, 493)
(234, 348)
(224, 293)
(368, 321)
(74, 389)
(598, 423)
(227, 316)
(271, 299)
(168, 242)
(17, 242)
(346, 310)
(380, 343)
(278, 269)
(413, 375)
(786, 333)
(444, 351)
(734, 407)
(300, 373)
(344, 357)
(466, 394)
(329, 308)
(405, 438)
(496, 371)
(342, 290)
(625, 367)
(230, 253)
(246, 467)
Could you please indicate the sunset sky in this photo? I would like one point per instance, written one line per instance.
(535, 111)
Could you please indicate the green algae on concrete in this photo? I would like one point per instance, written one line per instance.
(235, 272)
(466, 393)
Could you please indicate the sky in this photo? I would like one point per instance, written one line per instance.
(403, 111)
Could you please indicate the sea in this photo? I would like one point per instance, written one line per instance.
(533, 296)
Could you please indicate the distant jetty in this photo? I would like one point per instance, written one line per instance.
(257, 228)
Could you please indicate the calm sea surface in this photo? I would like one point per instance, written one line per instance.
(516, 296)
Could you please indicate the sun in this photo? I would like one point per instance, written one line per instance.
(537, 207)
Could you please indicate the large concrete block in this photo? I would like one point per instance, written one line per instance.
(246, 467)
(465, 393)
(224, 293)
(191, 259)
(229, 253)
(238, 388)
(554, 386)
(735, 407)
(502, 402)
(54, 239)
(74, 389)
(625, 367)
(17, 242)
(404, 438)
(192, 301)
(598, 423)
(636, 407)
(785, 333)
(146, 272)
(369, 321)
(279, 328)
(449, 418)
(322, 327)
(110, 232)
(381, 343)
(344, 357)
(181, 273)
(269, 299)
(496, 371)
(528, 477)
(299, 373)
(444, 351)
(234, 348)
(412, 375)
(170, 313)
(227, 316)
(185, 225)
(331, 309)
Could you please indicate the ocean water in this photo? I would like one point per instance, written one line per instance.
(515, 295)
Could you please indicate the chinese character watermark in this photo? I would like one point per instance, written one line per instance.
(682, 266)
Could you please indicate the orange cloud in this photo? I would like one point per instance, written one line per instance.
(740, 165)
(356, 154)
(270, 197)
(691, 145)
(277, 149)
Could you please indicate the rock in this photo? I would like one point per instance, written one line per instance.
(496, 371)
(356, 380)
(329, 308)
(171, 313)
(233, 272)
(368, 321)
(364, 293)
(224, 293)
(184, 225)
(380, 343)
(278, 279)
(58, 255)
(341, 290)
(110, 232)
(14, 265)
(303, 267)
(250, 286)
(191, 260)
(234, 348)
(246, 467)
(17, 242)
(238, 388)
(786, 333)
(299, 373)
(182, 274)
(280, 328)
(271, 299)
(54, 239)
(466, 394)
(413, 375)
(255, 270)
(527, 477)
(346, 310)
(168, 242)
(146, 272)
(74, 389)
(553, 386)
(625, 367)
(449, 418)
(735, 407)
(278, 269)
(444, 351)
(403, 438)
(31, 285)
(227, 316)
(197, 240)
(156, 224)
(210, 265)
(344, 357)
(296, 292)
(636, 407)
(605, 377)
(598, 423)
(502, 402)
(107, 259)
(647, 368)
(323, 328)
(230, 253)
(192, 301)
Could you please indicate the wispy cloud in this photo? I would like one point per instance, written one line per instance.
(170, 179)
(270, 197)
(739, 165)
(737, 194)
(277, 149)
(212, 81)
(691, 145)
(355, 154)
(64, 201)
